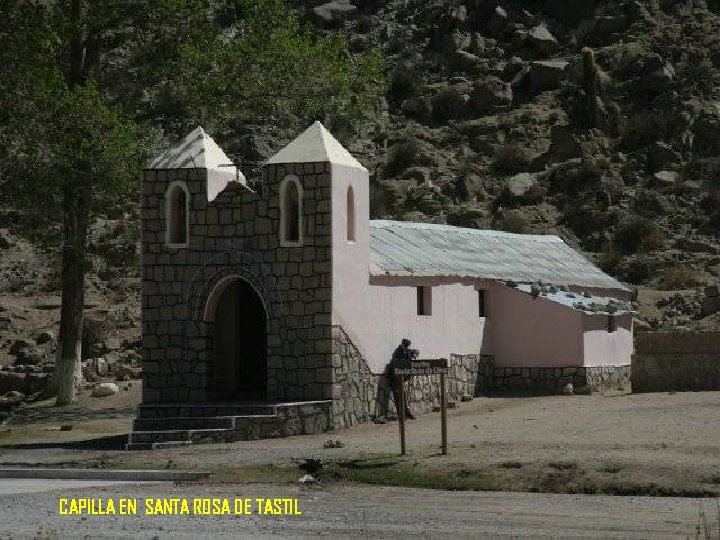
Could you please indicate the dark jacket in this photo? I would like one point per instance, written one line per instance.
(402, 354)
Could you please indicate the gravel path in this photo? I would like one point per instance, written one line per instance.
(357, 511)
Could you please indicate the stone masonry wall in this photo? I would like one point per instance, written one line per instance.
(237, 235)
(361, 395)
(668, 361)
(355, 396)
(552, 380)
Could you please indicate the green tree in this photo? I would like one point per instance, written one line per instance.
(83, 83)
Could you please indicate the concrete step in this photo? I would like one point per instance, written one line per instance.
(183, 423)
(200, 422)
(156, 446)
(159, 436)
(204, 410)
(174, 435)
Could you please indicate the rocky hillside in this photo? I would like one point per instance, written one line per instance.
(597, 121)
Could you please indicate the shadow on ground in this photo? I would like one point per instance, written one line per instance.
(112, 442)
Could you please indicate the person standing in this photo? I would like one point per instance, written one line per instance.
(401, 357)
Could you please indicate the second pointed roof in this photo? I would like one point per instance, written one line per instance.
(314, 145)
(196, 151)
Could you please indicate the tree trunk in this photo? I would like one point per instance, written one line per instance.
(68, 372)
(76, 208)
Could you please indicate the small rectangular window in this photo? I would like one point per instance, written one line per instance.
(612, 324)
(424, 300)
(482, 307)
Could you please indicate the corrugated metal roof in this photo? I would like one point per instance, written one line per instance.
(587, 303)
(399, 248)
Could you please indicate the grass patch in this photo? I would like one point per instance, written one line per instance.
(400, 473)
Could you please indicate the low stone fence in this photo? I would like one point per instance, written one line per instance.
(667, 361)
(552, 380)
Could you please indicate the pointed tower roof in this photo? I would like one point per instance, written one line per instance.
(196, 151)
(315, 144)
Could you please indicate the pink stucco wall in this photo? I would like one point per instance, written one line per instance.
(350, 285)
(453, 327)
(603, 348)
(532, 332)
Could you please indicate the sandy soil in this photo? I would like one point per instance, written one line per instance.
(668, 439)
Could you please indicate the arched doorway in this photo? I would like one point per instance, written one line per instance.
(239, 341)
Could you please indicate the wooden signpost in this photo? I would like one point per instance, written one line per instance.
(414, 368)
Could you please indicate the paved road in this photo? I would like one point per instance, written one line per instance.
(30, 509)
(12, 486)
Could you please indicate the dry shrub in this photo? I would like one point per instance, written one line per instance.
(646, 127)
(638, 235)
(95, 330)
(514, 222)
(608, 262)
(680, 277)
(402, 156)
(511, 159)
(404, 84)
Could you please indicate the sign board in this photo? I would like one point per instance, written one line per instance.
(434, 366)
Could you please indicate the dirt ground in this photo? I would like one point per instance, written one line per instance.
(664, 443)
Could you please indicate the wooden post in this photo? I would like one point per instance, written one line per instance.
(443, 414)
(401, 412)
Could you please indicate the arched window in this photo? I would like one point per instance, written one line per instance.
(290, 211)
(350, 215)
(177, 203)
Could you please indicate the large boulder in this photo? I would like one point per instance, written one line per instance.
(449, 104)
(652, 74)
(498, 23)
(105, 389)
(470, 187)
(474, 218)
(540, 40)
(521, 186)
(665, 178)
(545, 75)
(332, 14)
(491, 93)
(467, 62)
